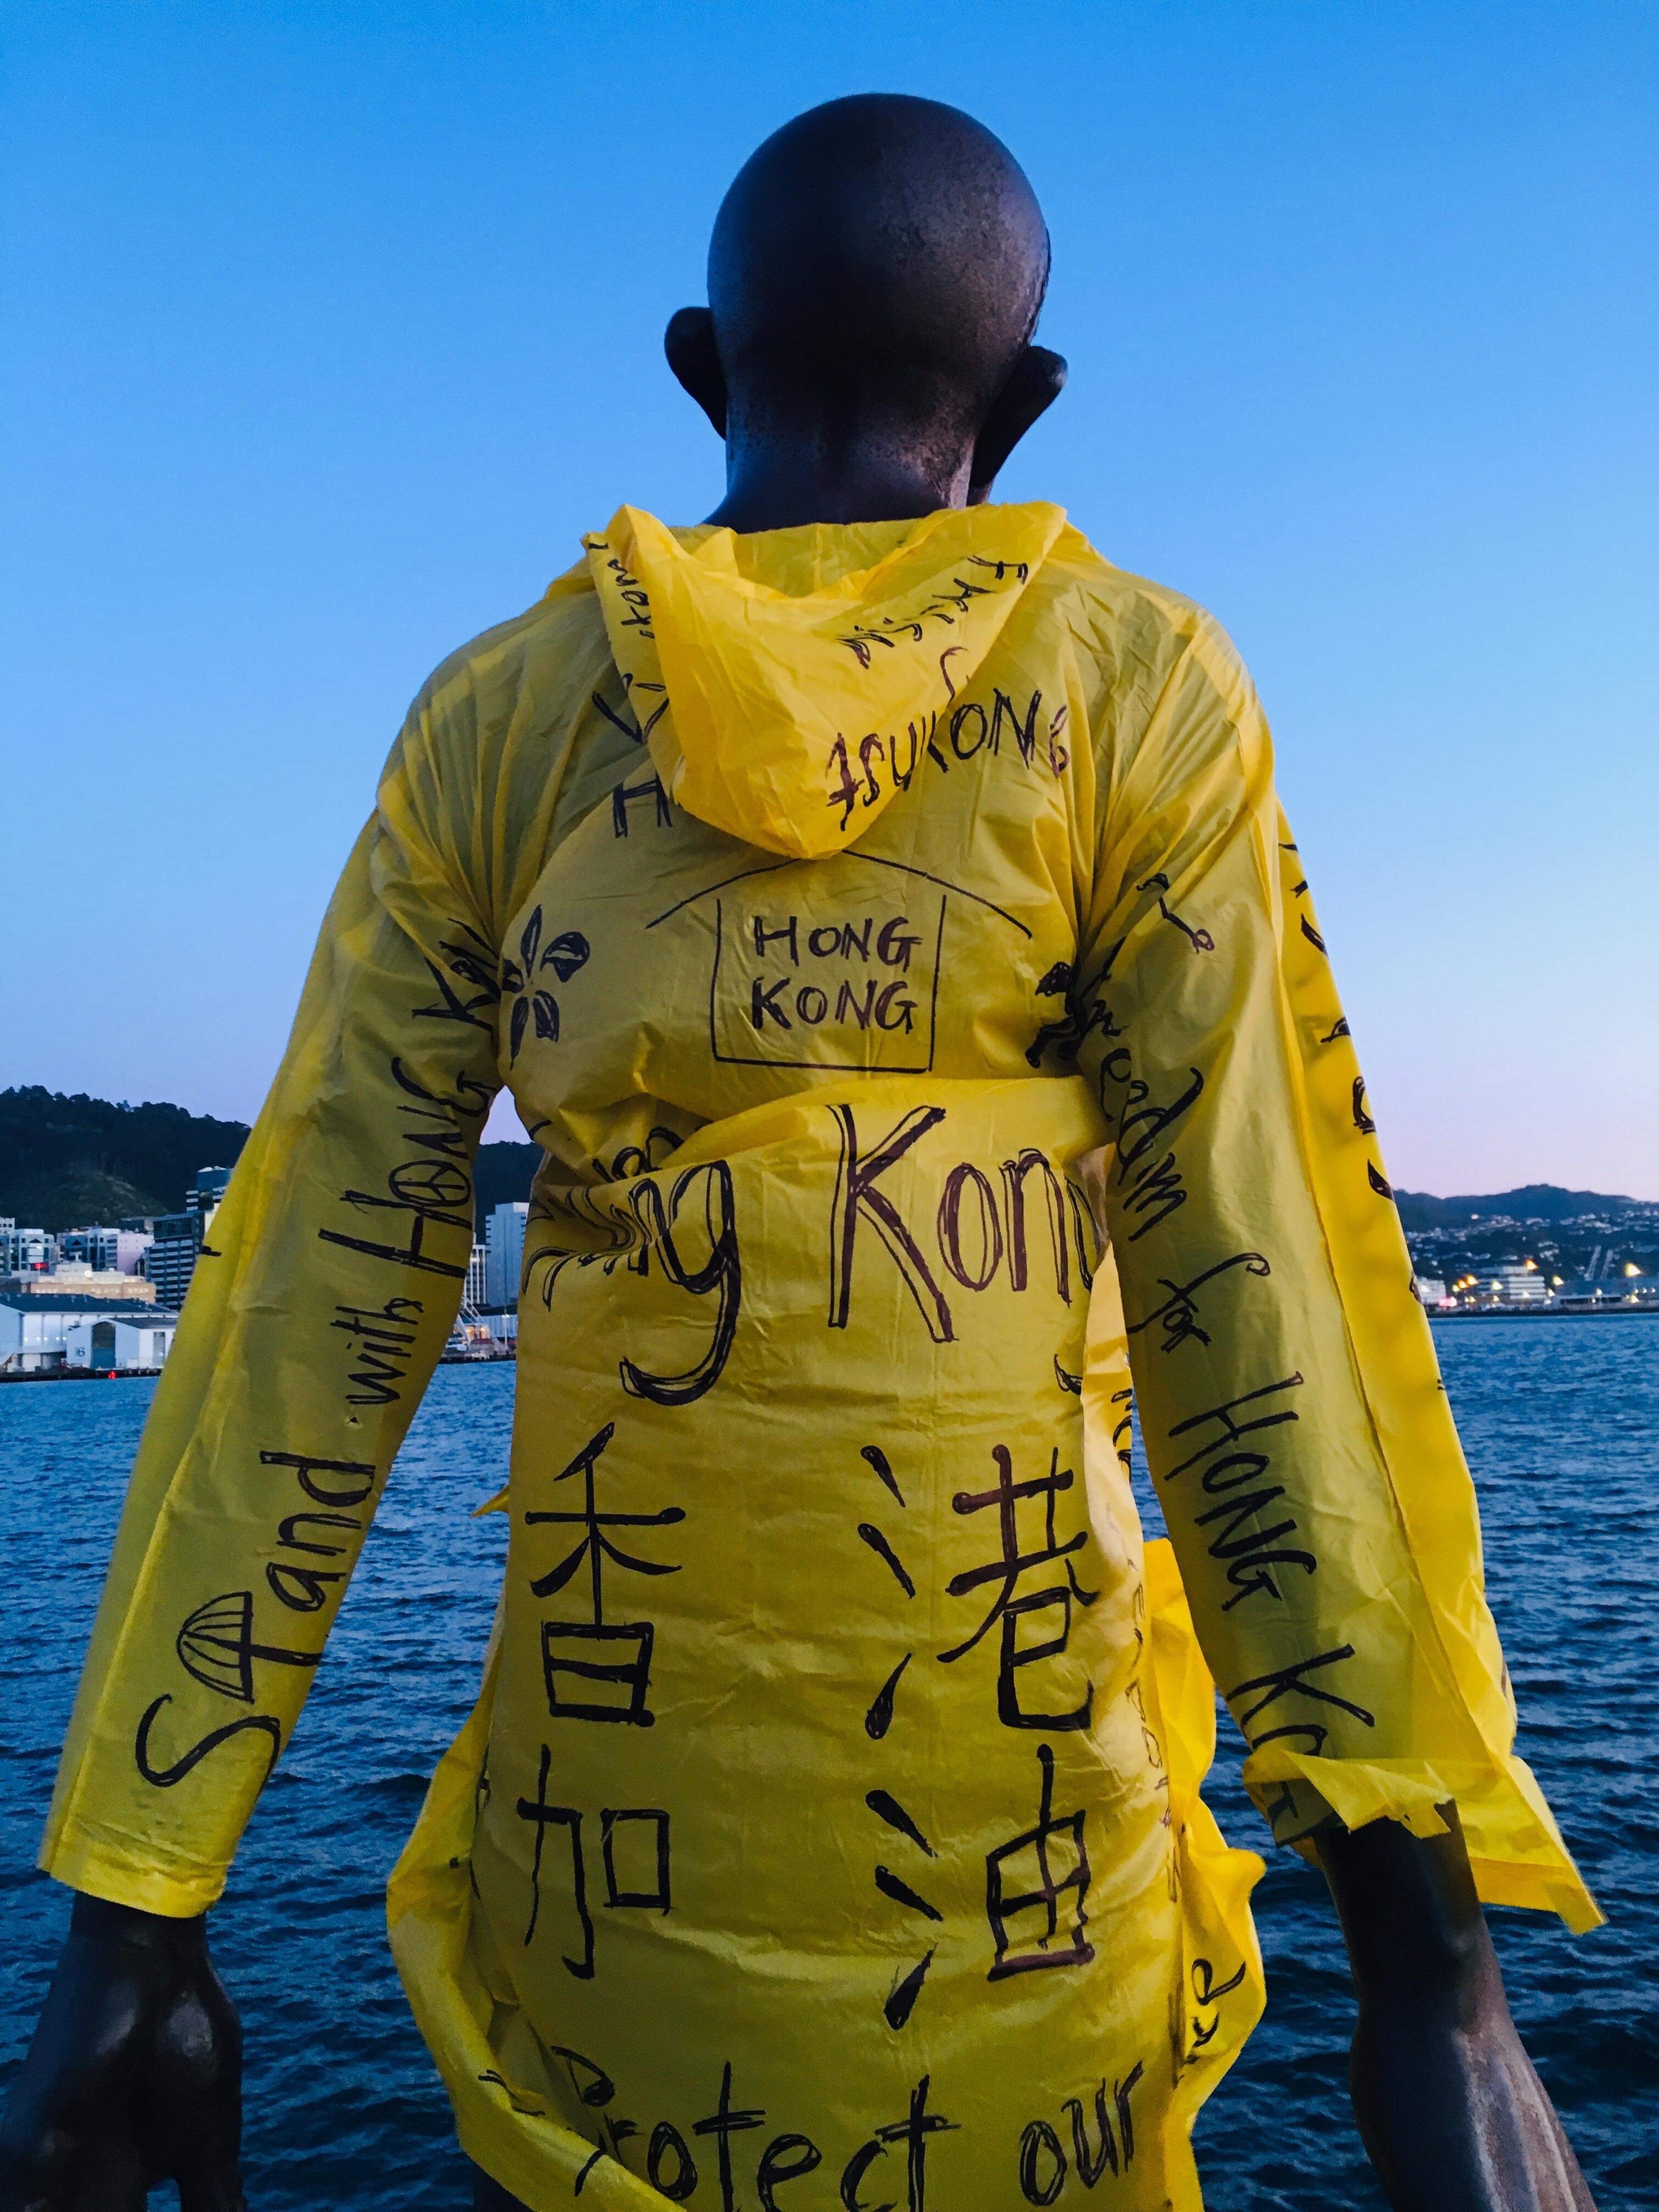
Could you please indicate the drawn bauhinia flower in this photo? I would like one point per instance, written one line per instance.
(564, 955)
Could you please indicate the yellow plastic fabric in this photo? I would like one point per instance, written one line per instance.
(705, 646)
(830, 1822)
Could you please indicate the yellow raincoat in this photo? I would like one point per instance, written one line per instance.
(886, 932)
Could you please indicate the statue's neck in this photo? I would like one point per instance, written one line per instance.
(778, 482)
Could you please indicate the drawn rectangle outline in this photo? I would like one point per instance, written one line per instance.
(831, 1066)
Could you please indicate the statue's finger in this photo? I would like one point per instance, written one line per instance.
(111, 2178)
(215, 2187)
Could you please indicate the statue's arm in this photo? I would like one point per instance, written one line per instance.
(1452, 2112)
(1296, 1432)
(335, 1268)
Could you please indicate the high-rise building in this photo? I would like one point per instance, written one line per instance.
(504, 1243)
(171, 1260)
(206, 1198)
(477, 1277)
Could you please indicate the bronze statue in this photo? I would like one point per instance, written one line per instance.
(875, 279)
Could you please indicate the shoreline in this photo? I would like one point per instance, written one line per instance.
(1546, 1312)
(82, 1374)
(507, 1359)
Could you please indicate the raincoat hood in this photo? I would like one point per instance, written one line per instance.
(756, 665)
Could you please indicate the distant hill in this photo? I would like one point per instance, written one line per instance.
(1534, 1202)
(66, 1162)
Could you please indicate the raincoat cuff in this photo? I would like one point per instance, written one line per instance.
(126, 1870)
(1516, 1851)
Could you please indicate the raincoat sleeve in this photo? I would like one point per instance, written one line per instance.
(1296, 1431)
(327, 1286)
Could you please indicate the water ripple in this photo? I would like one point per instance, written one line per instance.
(344, 2109)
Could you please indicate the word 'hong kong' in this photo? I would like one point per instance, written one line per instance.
(979, 1230)
(1023, 1224)
(792, 991)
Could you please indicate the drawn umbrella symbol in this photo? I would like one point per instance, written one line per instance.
(216, 1645)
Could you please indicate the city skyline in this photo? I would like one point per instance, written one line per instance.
(321, 357)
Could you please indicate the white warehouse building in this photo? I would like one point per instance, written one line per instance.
(37, 1330)
(139, 1338)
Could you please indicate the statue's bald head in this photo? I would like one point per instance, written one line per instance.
(878, 253)
(875, 274)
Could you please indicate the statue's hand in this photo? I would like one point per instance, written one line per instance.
(134, 2076)
(1451, 2111)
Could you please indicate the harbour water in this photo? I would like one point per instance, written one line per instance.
(345, 2113)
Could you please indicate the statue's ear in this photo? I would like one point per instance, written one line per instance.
(1036, 380)
(689, 342)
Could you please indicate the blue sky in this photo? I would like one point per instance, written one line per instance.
(327, 328)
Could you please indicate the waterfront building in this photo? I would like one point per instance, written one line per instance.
(119, 1250)
(113, 1341)
(35, 1326)
(25, 1251)
(504, 1243)
(1526, 1285)
(1607, 1292)
(1432, 1290)
(99, 1286)
(477, 1277)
